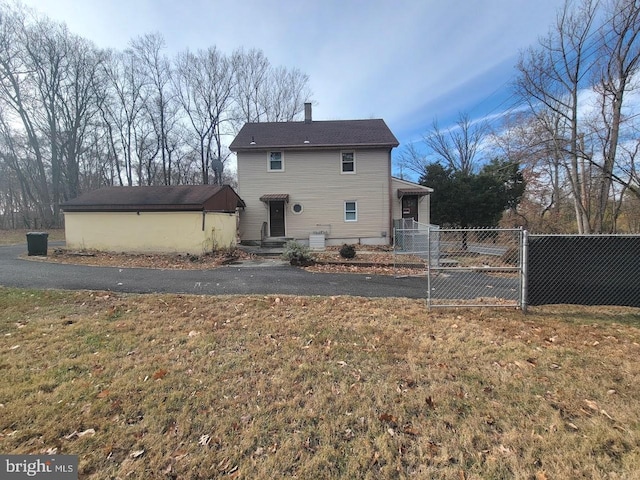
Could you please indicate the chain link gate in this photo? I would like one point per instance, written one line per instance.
(466, 267)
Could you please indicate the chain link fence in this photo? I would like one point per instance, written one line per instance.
(508, 267)
(583, 270)
(470, 267)
(413, 244)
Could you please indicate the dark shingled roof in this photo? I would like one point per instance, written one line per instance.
(333, 133)
(160, 198)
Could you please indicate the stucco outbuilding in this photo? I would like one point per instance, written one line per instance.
(192, 219)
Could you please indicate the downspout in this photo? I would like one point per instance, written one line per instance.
(391, 232)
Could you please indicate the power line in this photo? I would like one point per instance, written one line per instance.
(590, 48)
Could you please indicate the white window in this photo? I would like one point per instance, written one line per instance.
(350, 211)
(347, 162)
(275, 162)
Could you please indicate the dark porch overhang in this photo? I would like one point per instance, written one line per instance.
(274, 197)
(414, 192)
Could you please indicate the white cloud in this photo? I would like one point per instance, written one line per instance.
(404, 61)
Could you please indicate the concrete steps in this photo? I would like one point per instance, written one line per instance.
(274, 242)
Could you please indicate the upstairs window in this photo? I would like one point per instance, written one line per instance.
(348, 162)
(350, 211)
(276, 162)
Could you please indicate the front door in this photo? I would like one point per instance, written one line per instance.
(410, 207)
(276, 218)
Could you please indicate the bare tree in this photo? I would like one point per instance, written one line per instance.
(161, 104)
(251, 71)
(264, 93)
(456, 148)
(550, 80)
(286, 93)
(78, 109)
(615, 75)
(18, 91)
(526, 140)
(121, 111)
(73, 117)
(204, 83)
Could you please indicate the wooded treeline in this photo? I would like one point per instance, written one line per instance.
(74, 117)
(573, 131)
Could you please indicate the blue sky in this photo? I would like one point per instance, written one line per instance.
(407, 61)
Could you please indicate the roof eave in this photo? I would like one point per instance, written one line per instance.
(132, 208)
(311, 146)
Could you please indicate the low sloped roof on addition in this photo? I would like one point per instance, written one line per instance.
(157, 198)
(315, 134)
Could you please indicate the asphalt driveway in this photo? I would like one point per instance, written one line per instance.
(262, 277)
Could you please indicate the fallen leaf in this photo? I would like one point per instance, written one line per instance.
(89, 432)
(137, 453)
(410, 430)
(604, 412)
(103, 394)
(592, 405)
(179, 455)
(504, 450)
(430, 403)
(387, 418)
(541, 476)
(159, 374)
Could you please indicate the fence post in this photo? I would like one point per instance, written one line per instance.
(429, 268)
(524, 270)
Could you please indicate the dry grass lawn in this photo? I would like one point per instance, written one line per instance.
(190, 387)
(15, 237)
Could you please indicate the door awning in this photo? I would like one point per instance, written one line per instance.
(274, 197)
(419, 192)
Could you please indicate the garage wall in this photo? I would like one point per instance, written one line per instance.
(150, 232)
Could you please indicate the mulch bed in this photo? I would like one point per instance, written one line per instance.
(373, 261)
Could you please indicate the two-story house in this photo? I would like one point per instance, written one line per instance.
(302, 178)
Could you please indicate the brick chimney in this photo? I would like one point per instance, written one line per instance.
(307, 112)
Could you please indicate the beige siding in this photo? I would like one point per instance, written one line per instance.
(424, 209)
(161, 232)
(314, 180)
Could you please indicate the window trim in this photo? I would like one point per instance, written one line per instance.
(269, 153)
(342, 171)
(354, 211)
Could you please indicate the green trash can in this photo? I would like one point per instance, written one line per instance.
(37, 243)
